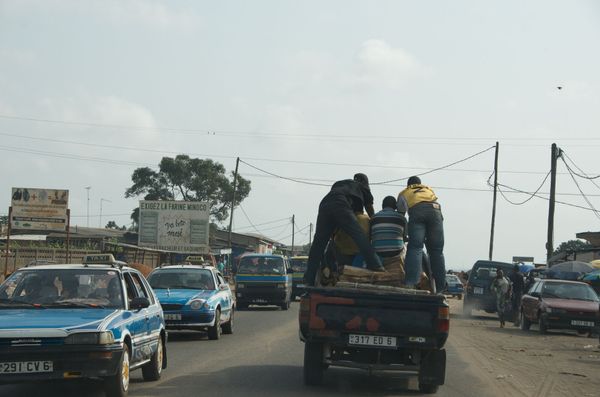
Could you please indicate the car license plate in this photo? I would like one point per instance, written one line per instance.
(582, 323)
(26, 367)
(259, 300)
(478, 290)
(172, 317)
(372, 340)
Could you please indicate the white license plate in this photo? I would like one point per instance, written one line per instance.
(172, 316)
(582, 323)
(26, 367)
(372, 340)
(259, 300)
(478, 290)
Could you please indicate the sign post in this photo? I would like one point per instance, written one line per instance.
(174, 226)
(68, 245)
(7, 243)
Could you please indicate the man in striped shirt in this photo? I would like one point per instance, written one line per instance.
(388, 229)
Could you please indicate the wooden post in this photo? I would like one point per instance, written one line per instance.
(235, 178)
(8, 230)
(293, 232)
(550, 242)
(494, 202)
(68, 253)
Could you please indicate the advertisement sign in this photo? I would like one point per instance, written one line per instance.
(39, 209)
(518, 259)
(176, 226)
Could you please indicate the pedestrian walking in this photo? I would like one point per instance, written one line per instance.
(337, 211)
(501, 288)
(425, 227)
(517, 287)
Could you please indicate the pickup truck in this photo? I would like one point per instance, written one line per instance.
(375, 328)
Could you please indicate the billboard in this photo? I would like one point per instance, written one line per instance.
(176, 226)
(39, 209)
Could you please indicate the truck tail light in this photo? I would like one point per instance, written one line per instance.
(443, 319)
(304, 313)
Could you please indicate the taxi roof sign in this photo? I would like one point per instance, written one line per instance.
(102, 259)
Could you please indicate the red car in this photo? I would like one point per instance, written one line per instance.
(560, 304)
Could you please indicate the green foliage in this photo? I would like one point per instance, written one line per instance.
(113, 225)
(189, 179)
(571, 246)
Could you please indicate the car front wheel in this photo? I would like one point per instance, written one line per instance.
(525, 323)
(118, 384)
(153, 369)
(214, 332)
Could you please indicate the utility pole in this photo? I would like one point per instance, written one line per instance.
(235, 178)
(555, 154)
(101, 201)
(310, 235)
(88, 205)
(293, 232)
(494, 202)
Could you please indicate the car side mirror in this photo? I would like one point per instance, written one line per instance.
(139, 303)
(223, 287)
(535, 295)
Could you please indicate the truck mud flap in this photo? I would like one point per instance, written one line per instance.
(433, 368)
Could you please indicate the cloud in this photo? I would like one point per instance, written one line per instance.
(380, 64)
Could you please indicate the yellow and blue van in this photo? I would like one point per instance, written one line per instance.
(263, 279)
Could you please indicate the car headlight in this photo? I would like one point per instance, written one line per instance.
(198, 304)
(555, 311)
(90, 338)
(281, 286)
(239, 286)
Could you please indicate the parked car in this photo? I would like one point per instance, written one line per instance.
(560, 304)
(478, 295)
(99, 319)
(454, 286)
(194, 298)
(263, 279)
(298, 264)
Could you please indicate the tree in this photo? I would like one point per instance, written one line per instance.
(189, 179)
(113, 225)
(571, 246)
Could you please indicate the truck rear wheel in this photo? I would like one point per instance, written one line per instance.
(313, 363)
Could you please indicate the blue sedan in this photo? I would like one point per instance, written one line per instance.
(454, 286)
(194, 298)
(99, 319)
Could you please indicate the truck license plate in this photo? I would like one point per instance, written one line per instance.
(582, 323)
(478, 290)
(372, 340)
(26, 367)
(172, 317)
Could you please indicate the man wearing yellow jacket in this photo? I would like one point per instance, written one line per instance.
(425, 227)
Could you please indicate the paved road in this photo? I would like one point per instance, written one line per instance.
(263, 357)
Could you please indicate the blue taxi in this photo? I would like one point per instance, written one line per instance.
(194, 297)
(98, 319)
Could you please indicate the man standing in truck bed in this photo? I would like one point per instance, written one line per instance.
(425, 226)
(336, 210)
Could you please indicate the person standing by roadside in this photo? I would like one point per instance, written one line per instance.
(425, 227)
(337, 211)
(501, 288)
(517, 286)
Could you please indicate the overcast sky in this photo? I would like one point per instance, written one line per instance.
(393, 87)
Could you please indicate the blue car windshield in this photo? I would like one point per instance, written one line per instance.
(182, 279)
(261, 265)
(60, 288)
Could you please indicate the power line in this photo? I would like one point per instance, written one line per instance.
(283, 177)
(265, 223)
(547, 198)
(585, 175)
(587, 200)
(284, 135)
(532, 195)
(248, 218)
(439, 168)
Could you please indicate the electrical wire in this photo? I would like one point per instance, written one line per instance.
(532, 195)
(439, 168)
(264, 223)
(547, 198)
(587, 200)
(283, 177)
(585, 175)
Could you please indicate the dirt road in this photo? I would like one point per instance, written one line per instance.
(512, 362)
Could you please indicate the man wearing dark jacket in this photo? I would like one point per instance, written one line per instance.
(337, 211)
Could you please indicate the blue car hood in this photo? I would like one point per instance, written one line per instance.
(182, 296)
(67, 319)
